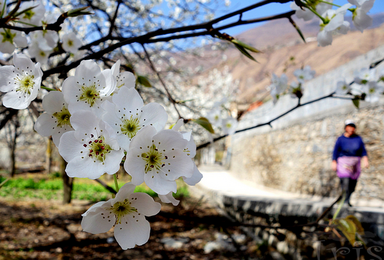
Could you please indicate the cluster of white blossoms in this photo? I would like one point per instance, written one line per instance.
(220, 118)
(332, 21)
(40, 43)
(279, 85)
(96, 120)
(367, 83)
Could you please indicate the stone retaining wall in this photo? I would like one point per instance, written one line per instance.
(295, 155)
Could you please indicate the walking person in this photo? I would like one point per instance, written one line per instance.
(348, 153)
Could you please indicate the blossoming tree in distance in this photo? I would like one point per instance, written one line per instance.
(97, 116)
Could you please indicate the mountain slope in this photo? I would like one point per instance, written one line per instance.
(280, 42)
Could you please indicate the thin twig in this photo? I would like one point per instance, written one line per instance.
(171, 99)
(110, 189)
(274, 119)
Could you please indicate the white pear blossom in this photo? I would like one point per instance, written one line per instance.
(41, 55)
(10, 39)
(124, 78)
(190, 151)
(278, 86)
(220, 103)
(364, 76)
(55, 121)
(126, 212)
(342, 87)
(359, 15)
(306, 14)
(335, 24)
(46, 39)
(127, 115)
(169, 199)
(304, 74)
(21, 82)
(214, 116)
(88, 88)
(32, 16)
(381, 76)
(158, 158)
(229, 125)
(91, 150)
(71, 43)
(373, 91)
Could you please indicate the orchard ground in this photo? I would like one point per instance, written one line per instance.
(36, 228)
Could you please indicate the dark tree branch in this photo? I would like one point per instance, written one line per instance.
(206, 28)
(110, 189)
(9, 114)
(56, 26)
(299, 104)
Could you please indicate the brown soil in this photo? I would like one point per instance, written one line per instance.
(49, 230)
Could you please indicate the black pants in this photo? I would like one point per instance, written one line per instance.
(348, 185)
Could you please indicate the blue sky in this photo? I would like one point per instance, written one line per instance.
(275, 8)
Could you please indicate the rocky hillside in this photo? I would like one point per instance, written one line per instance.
(284, 51)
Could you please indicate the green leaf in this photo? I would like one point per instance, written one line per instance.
(348, 228)
(184, 101)
(297, 29)
(4, 182)
(359, 227)
(244, 52)
(341, 203)
(3, 9)
(144, 81)
(246, 46)
(24, 11)
(78, 12)
(356, 102)
(204, 123)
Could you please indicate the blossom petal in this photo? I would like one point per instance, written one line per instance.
(22, 62)
(7, 47)
(158, 184)
(67, 148)
(84, 168)
(53, 102)
(87, 68)
(113, 160)
(134, 165)
(44, 125)
(169, 199)
(133, 230)
(178, 164)
(20, 40)
(15, 100)
(324, 38)
(6, 74)
(155, 115)
(143, 137)
(178, 124)
(124, 192)
(144, 204)
(98, 219)
(128, 98)
(170, 139)
(116, 68)
(128, 79)
(195, 178)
